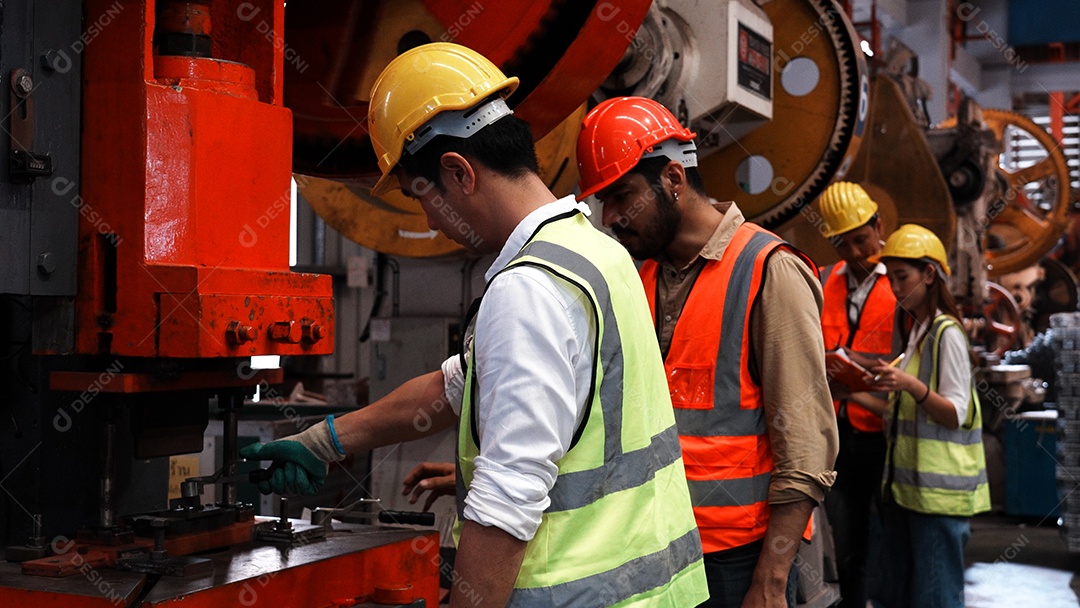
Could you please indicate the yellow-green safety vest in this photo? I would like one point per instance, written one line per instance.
(619, 530)
(931, 469)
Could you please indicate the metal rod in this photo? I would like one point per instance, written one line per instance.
(230, 423)
(283, 523)
(318, 241)
(108, 464)
(36, 538)
(395, 291)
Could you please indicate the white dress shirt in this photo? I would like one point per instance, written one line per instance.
(858, 293)
(954, 366)
(533, 346)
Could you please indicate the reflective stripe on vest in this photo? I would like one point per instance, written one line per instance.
(939, 481)
(616, 464)
(729, 492)
(871, 336)
(718, 404)
(935, 470)
(604, 589)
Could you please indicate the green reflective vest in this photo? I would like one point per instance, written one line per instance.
(930, 468)
(620, 530)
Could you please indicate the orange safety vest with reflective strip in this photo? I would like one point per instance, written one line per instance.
(872, 334)
(718, 402)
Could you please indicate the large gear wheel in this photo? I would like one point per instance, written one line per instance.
(820, 106)
(561, 51)
(396, 225)
(1031, 212)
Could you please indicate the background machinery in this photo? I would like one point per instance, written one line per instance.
(146, 215)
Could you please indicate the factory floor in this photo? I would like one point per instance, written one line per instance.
(1017, 563)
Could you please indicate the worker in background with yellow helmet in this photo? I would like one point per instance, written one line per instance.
(935, 471)
(570, 483)
(857, 315)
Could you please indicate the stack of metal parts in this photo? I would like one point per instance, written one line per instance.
(1065, 328)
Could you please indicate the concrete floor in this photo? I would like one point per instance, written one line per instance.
(1015, 563)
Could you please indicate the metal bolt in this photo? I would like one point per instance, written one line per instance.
(24, 84)
(285, 331)
(283, 524)
(158, 525)
(50, 59)
(238, 334)
(46, 263)
(313, 332)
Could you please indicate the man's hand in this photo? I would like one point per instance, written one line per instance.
(768, 587)
(300, 461)
(438, 477)
(488, 560)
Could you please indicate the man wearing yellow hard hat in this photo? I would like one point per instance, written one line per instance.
(857, 315)
(571, 487)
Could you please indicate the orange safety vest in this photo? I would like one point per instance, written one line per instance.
(717, 398)
(872, 334)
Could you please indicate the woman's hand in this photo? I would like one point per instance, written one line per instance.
(438, 477)
(890, 378)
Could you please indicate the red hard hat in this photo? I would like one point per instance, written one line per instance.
(616, 134)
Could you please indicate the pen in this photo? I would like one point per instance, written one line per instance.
(892, 363)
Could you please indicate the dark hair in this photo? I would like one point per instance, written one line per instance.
(650, 169)
(505, 146)
(940, 297)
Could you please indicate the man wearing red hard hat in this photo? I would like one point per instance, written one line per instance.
(737, 314)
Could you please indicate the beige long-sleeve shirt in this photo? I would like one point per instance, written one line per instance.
(789, 353)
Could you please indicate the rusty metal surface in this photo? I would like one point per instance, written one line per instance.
(89, 587)
(350, 562)
(60, 566)
(186, 167)
(270, 574)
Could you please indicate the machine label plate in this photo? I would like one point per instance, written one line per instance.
(755, 53)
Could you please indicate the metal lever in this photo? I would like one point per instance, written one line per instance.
(322, 516)
(193, 486)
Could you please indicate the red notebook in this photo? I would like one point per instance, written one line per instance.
(841, 369)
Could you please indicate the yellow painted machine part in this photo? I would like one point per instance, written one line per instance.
(896, 168)
(803, 131)
(1028, 232)
(396, 225)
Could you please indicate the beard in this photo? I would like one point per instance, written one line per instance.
(653, 240)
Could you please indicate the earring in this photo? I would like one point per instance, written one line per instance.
(676, 196)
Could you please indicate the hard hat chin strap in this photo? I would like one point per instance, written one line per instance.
(685, 152)
(457, 123)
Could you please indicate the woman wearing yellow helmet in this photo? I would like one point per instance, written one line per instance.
(935, 470)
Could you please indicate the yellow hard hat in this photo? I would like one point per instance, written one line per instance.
(422, 83)
(914, 242)
(845, 206)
